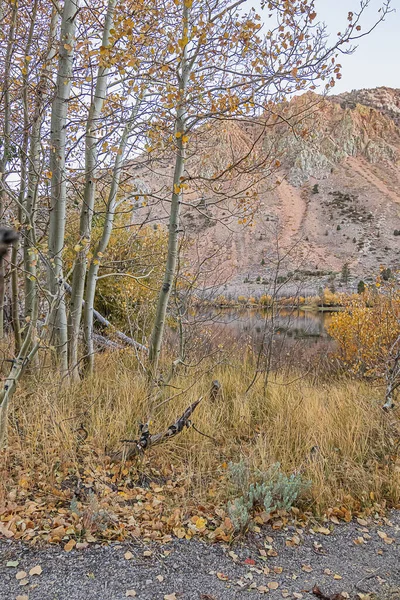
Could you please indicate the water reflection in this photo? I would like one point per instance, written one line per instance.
(298, 324)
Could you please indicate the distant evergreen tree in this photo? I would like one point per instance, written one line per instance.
(361, 287)
(345, 273)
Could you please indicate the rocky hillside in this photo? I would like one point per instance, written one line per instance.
(333, 196)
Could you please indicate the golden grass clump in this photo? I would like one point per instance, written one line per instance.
(335, 434)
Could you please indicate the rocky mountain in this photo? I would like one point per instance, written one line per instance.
(333, 196)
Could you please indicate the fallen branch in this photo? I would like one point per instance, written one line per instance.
(119, 334)
(102, 341)
(146, 440)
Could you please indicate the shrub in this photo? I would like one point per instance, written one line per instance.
(272, 490)
(315, 189)
(242, 299)
(367, 329)
(396, 232)
(266, 300)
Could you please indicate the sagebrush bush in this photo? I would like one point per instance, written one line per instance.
(271, 489)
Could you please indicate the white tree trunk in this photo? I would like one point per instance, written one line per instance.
(29, 215)
(173, 228)
(85, 227)
(103, 243)
(6, 138)
(58, 178)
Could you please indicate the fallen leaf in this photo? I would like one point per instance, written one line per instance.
(273, 585)
(382, 535)
(24, 597)
(263, 589)
(6, 532)
(307, 568)
(200, 523)
(170, 596)
(297, 595)
(128, 555)
(69, 545)
(278, 570)
(36, 570)
(362, 522)
(160, 578)
(130, 593)
(249, 561)
(81, 545)
(147, 553)
(21, 575)
(337, 576)
(12, 563)
(222, 576)
(24, 582)
(323, 530)
(335, 520)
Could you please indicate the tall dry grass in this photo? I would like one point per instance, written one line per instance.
(335, 433)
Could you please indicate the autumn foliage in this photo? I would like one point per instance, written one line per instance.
(367, 328)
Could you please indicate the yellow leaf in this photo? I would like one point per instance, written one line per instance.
(178, 134)
(68, 47)
(179, 532)
(200, 523)
(185, 138)
(222, 576)
(69, 545)
(177, 188)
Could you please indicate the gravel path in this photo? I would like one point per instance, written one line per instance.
(197, 571)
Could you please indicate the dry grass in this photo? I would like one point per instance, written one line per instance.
(354, 464)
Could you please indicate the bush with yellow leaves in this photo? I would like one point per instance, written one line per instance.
(130, 272)
(367, 328)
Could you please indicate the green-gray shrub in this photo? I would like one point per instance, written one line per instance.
(272, 489)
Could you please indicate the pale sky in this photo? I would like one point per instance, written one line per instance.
(376, 61)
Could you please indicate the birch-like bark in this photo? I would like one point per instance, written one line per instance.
(58, 179)
(39, 113)
(6, 138)
(102, 245)
(173, 228)
(85, 227)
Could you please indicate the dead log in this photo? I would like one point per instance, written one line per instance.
(133, 448)
(119, 334)
(103, 342)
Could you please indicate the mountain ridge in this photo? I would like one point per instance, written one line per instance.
(338, 198)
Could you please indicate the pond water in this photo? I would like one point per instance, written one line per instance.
(293, 334)
(298, 324)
